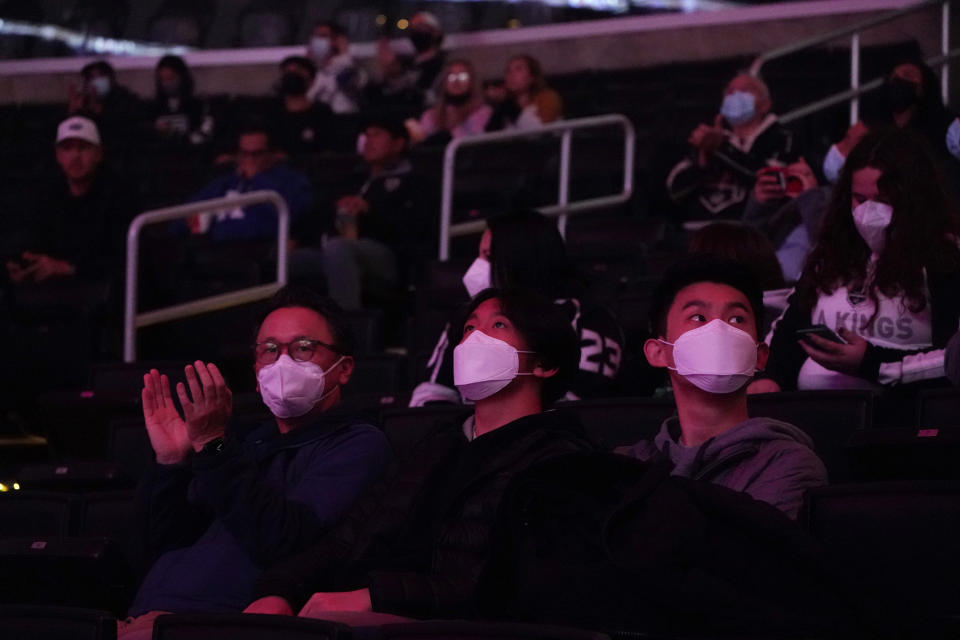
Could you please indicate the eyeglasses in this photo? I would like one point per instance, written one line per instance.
(462, 76)
(301, 349)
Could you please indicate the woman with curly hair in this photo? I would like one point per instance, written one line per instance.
(885, 276)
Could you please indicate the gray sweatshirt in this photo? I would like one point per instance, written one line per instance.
(771, 460)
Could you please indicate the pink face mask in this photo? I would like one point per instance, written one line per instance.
(483, 365)
(717, 357)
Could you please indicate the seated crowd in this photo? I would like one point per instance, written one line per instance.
(797, 275)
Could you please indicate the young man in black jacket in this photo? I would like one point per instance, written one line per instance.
(219, 508)
(417, 543)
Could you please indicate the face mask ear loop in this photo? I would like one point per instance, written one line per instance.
(324, 396)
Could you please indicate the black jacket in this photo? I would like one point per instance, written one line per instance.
(419, 539)
(720, 190)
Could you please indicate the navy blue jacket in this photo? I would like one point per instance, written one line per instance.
(257, 222)
(215, 521)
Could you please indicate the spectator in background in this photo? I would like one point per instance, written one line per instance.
(529, 102)
(909, 99)
(176, 113)
(339, 80)
(78, 229)
(258, 166)
(884, 275)
(219, 506)
(417, 544)
(376, 220)
(787, 205)
(301, 125)
(704, 318)
(405, 81)
(953, 138)
(744, 138)
(745, 245)
(459, 111)
(114, 108)
(524, 249)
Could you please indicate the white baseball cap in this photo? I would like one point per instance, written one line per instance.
(80, 128)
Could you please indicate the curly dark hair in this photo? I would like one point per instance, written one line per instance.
(923, 233)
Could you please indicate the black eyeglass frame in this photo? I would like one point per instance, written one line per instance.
(313, 344)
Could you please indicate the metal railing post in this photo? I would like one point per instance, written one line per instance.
(564, 207)
(854, 77)
(132, 320)
(944, 50)
(563, 195)
(446, 199)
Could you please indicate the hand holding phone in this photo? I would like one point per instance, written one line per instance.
(822, 331)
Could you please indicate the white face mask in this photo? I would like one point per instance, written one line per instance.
(717, 357)
(832, 164)
(739, 107)
(101, 85)
(319, 47)
(482, 366)
(291, 388)
(953, 138)
(872, 219)
(477, 277)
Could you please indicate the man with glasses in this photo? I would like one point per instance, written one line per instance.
(258, 167)
(219, 507)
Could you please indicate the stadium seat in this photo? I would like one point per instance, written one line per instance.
(76, 572)
(895, 542)
(128, 446)
(73, 476)
(37, 513)
(829, 417)
(110, 514)
(905, 454)
(939, 408)
(466, 630)
(26, 622)
(381, 373)
(615, 422)
(245, 626)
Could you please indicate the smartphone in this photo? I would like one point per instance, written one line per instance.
(822, 331)
(780, 173)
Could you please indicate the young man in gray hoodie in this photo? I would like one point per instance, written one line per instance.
(704, 315)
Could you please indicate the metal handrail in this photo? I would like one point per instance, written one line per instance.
(854, 31)
(133, 321)
(843, 96)
(563, 207)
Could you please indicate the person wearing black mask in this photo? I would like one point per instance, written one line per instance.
(460, 110)
(909, 99)
(302, 126)
(401, 80)
(177, 115)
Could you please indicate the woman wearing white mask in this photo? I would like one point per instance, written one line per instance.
(523, 248)
(416, 544)
(884, 276)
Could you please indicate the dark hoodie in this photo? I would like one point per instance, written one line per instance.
(770, 460)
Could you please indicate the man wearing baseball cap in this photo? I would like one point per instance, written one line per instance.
(77, 229)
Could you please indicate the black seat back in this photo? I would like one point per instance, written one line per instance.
(897, 542)
(37, 513)
(28, 622)
(245, 626)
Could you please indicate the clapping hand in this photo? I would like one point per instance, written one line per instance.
(208, 407)
(167, 431)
